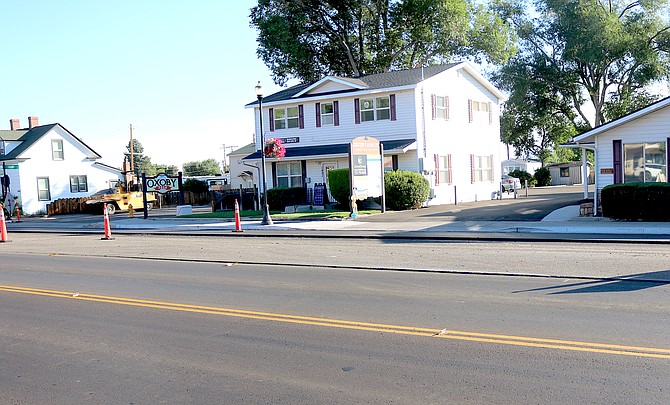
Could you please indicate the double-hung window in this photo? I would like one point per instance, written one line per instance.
(286, 118)
(375, 109)
(43, 189)
(479, 109)
(289, 174)
(327, 114)
(78, 184)
(482, 168)
(440, 107)
(57, 149)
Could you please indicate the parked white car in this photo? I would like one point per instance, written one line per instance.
(510, 183)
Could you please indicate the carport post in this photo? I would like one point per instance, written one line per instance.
(455, 198)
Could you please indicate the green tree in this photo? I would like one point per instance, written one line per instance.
(308, 39)
(207, 167)
(141, 162)
(578, 56)
(170, 170)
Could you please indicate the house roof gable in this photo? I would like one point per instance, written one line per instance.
(30, 136)
(590, 135)
(393, 79)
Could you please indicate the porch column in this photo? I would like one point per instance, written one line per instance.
(585, 177)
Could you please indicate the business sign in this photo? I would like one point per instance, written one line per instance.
(607, 171)
(293, 139)
(11, 167)
(162, 183)
(366, 168)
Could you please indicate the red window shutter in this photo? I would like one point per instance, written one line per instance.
(317, 107)
(472, 169)
(437, 169)
(490, 114)
(446, 102)
(301, 117)
(271, 113)
(433, 103)
(449, 168)
(336, 113)
(357, 111)
(470, 110)
(392, 105)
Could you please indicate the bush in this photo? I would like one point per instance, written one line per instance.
(280, 197)
(195, 186)
(636, 201)
(542, 177)
(340, 189)
(405, 190)
(523, 176)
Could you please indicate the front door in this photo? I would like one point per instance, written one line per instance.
(325, 168)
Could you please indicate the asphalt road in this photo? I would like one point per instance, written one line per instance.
(115, 330)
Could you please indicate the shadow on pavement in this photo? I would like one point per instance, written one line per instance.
(634, 282)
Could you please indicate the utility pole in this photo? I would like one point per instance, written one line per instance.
(132, 151)
(224, 147)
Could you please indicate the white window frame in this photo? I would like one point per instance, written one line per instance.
(372, 105)
(284, 118)
(327, 118)
(57, 149)
(445, 170)
(291, 179)
(80, 185)
(40, 190)
(483, 169)
(441, 108)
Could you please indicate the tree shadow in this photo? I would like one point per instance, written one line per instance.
(633, 282)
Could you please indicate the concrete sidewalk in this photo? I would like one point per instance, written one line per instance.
(563, 221)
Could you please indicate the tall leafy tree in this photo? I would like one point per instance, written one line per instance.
(170, 170)
(307, 39)
(207, 167)
(582, 63)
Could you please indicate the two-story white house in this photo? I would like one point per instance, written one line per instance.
(441, 121)
(47, 162)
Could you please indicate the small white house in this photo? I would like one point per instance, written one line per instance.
(440, 121)
(633, 148)
(511, 165)
(47, 162)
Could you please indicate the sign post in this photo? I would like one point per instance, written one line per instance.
(366, 170)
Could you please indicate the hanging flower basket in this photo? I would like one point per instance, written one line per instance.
(274, 148)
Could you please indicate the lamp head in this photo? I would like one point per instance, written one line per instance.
(259, 90)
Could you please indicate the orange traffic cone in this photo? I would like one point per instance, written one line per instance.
(17, 211)
(3, 227)
(108, 229)
(238, 225)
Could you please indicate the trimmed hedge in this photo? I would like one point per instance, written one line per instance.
(405, 190)
(338, 180)
(280, 197)
(637, 201)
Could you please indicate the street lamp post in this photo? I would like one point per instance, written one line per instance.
(267, 220)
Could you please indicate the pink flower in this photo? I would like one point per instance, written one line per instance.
(274, 148)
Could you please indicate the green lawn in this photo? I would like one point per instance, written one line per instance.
(326, 214)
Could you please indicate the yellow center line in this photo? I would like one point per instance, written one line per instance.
(590, 347)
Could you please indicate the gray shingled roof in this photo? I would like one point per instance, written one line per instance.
(373, 82)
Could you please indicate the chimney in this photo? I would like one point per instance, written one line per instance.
(32, 122)
(14, 124)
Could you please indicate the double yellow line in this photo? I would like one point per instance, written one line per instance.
(366, 326)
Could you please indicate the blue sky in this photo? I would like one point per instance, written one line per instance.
(179, 71)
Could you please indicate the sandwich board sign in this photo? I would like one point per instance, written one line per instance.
(366, 172)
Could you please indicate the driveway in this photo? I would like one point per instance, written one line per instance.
(539, 203)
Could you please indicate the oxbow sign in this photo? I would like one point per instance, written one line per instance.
(162, 183)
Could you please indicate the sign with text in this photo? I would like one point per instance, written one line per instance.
(162, 183)
(607, 171)
(366, 168)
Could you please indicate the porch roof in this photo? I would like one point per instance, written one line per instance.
(399, 146)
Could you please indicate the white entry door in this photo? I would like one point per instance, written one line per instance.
(325, 168)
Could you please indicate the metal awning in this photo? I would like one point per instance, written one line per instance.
(342, 149)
